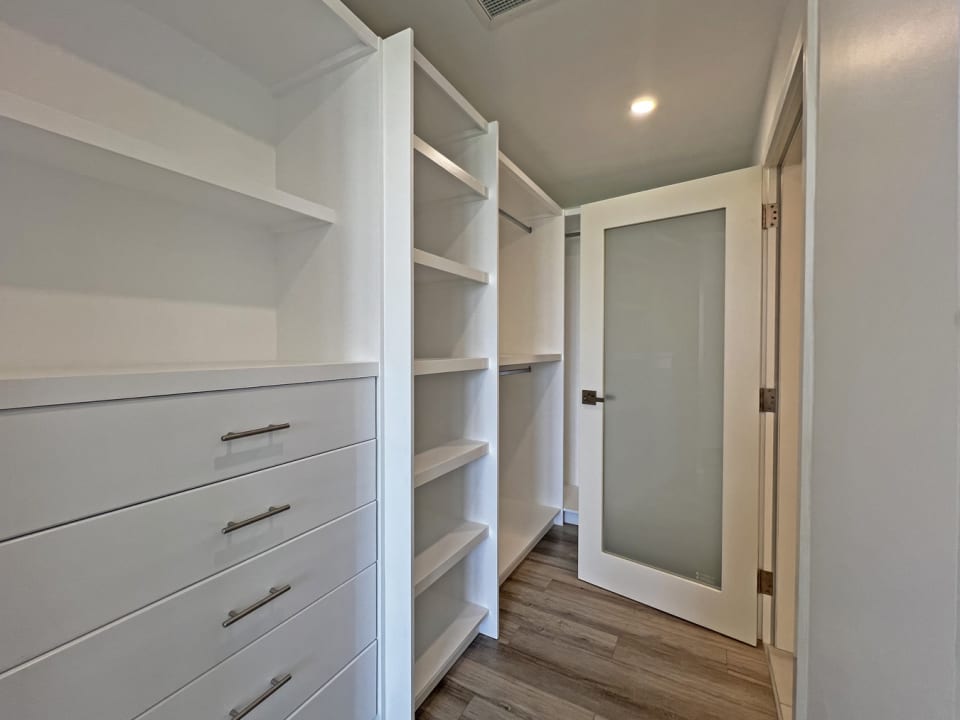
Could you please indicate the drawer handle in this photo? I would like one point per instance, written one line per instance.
(271, 511)
(257, 431)
(275, 684)
(235, 615)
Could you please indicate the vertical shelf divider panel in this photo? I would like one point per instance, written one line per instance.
(397, 448)
(531, 327)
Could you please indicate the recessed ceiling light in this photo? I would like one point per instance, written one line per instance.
(643, 106)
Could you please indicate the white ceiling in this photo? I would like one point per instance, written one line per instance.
(560, 77)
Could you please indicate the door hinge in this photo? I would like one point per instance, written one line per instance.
(771, 216)
(764, 582)
(768, 400)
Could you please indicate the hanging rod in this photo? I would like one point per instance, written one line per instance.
(516, 222)
(517, 371)
(572, 235)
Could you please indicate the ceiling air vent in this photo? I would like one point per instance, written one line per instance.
(495, 11)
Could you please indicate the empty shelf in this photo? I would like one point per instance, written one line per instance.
(279, 44)
(52, 137)
(507, 361)
(436, 366)
(431, 564)
(442, 267)
(437, 178)
(34, 388)
(521, 527)
(441, 111)
(438, 658)
(521, 197)
(437, 462)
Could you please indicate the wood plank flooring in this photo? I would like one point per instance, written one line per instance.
(571, 651)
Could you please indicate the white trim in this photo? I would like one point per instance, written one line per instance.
(811, 104)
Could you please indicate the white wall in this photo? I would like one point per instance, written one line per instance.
(882, 509)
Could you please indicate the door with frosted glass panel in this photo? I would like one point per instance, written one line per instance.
(670, 370)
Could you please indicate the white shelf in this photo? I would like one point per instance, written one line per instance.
(439, 179)
(434, 562)
(439, 461)
(280, 44)
(435, 266)
(52, 137)
(58, 387)
(439, 657)
(437, 366)
(508, 361)
(441, 113)
(521, 527)
(522, 197)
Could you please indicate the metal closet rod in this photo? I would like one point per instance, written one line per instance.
(517, 371)
(516, 222)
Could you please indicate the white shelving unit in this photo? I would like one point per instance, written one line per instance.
(531, 365)
(189, 194)
(440, 371)
(157, 234)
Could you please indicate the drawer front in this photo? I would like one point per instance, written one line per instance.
(128, 666)
(68, 462)
(311, 647)
(351, 695)
(116, 563)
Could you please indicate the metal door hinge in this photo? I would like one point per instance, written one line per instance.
(764, 582)
(771, 216)
(768, 400)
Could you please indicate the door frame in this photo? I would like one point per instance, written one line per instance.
(732, 610)
(798, 97)
(789, 115)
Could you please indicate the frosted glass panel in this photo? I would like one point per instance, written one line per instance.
(663, 379)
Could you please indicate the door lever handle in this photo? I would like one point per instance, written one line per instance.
(589, 397)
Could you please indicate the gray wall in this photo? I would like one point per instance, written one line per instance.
(883, 502)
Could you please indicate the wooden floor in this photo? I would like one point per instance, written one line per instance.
(570, 651)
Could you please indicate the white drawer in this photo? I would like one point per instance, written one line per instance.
(351, 695)
(126, 667)
(310, 647)
(68, 462)
(72, 579)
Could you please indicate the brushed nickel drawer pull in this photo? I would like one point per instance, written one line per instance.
(235, 615)
(275, 684)
(271, 511)
(257, 431)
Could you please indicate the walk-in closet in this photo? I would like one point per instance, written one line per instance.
(428, 360)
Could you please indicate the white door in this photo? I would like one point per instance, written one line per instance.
(669, 454)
